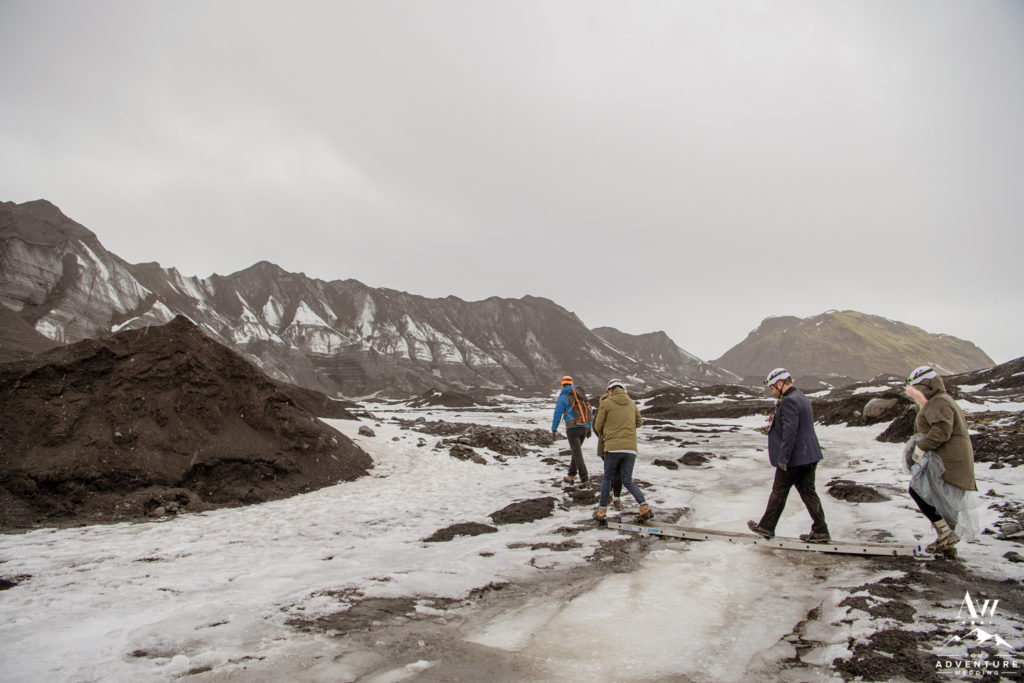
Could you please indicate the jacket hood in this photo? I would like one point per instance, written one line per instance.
(932, 386)
(619, 396)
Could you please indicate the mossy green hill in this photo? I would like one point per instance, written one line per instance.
(849, 344)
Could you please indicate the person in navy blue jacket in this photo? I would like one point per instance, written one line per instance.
(794, 451)
(577, 428)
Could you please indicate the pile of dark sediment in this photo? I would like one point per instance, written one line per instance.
(861, 409)
(320, 405)
(901, 428)
(503, 440)
(720, 401)
(157, 419)
(998, 438)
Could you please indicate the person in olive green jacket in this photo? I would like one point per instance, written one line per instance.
(617, 477)
(944, 431)
(616, 423)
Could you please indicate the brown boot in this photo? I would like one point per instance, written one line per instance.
(643, 514)
(945, 538)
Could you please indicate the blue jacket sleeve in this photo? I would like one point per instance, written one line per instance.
(560, 407)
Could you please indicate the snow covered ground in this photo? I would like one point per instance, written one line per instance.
(271, 592)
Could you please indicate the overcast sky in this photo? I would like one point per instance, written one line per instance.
(692, 167)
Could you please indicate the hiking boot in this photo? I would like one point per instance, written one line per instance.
(945, 538)
(570, 480)
(643, 514)
(756, 528)
(617, 504)
(943, 543)
(601, 515)
(815, 538)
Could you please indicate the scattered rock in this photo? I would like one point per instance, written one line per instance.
(558, 547)
(462, 452)
(1014, 556)
(12, 581)
(668, 464)
(696, 458)
(524, 511)
(877, 408)
(464, 529)
(1010, 530)
(583, 496)
(851, 492)
(366, 431)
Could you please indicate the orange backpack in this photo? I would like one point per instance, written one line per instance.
(581, 408)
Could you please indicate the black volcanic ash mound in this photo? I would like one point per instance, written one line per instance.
(111, 428)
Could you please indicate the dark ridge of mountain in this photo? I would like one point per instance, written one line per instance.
(657, 350)
(339, 337)
(41, 223)
(848, 344)
(17, 338)
(109, 428)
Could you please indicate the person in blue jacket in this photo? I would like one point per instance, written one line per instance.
(577, 428)
(794, 451)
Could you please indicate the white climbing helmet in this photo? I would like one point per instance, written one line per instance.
(775, 375)
(920, 374)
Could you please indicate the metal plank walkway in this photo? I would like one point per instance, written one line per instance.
(784, 542)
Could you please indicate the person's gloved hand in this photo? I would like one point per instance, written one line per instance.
(918, 454)
(782, 466)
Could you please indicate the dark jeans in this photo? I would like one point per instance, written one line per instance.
(576, 435)
(617, 476)
(616, 461)
(802, 477)
(930, 512)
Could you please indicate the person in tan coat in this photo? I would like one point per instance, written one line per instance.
(944, 432)
(616, 423)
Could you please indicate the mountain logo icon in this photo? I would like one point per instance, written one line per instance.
(982, 635)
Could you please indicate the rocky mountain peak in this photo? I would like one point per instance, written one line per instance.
(40, 222)
(339, 337)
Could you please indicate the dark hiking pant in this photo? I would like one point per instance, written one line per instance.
(802, 477)
(617, 476)
(576, 435)
(929, 511)
(617, 461)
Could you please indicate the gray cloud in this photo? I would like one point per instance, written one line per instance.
(703, 165)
